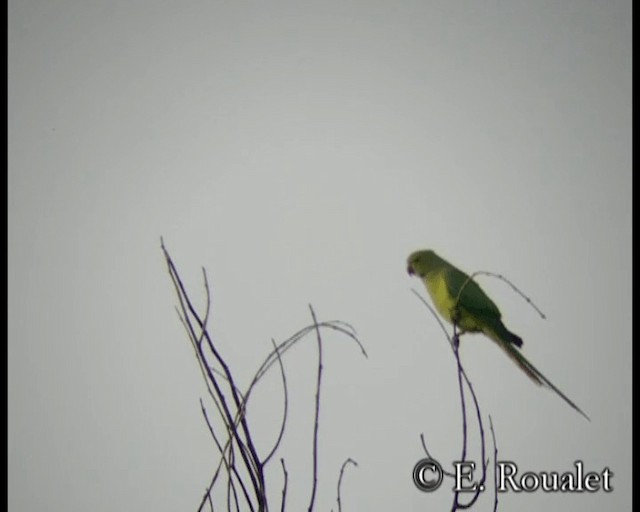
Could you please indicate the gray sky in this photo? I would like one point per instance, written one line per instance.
(300, 151)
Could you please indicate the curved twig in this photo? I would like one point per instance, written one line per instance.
(342, 468)
(502, 278)
(285, 408)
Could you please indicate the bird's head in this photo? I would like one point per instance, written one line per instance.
(421, 262)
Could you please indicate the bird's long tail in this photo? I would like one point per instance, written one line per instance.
(509, 342)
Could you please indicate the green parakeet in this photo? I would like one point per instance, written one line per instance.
(459, 299)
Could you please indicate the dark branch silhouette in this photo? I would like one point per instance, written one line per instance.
(240, 470)
(463, 382)
(342, 468)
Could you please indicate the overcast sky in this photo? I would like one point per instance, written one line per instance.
(300, 152)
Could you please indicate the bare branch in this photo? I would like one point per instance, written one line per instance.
(247, 449)
(239, 459)
(317, 412)
(463, 380)
(495, 466)
(513, 287)
(344, 465)
(284, 487)
(426, 450)
(285, 408)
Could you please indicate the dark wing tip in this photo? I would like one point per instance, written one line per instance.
(516, 340)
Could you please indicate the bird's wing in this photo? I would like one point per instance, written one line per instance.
(472, 299)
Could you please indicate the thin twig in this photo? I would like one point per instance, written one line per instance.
(317, 412)
(284, 486)
(231, 468)
(454, 343)
(483, 478)
(464, 411)
(247, 448)
(283, 347)
(426, 450)
(435, 315)
(231, 404)
(342, 468)
(285, 407)
(495, 466)
(513, 287)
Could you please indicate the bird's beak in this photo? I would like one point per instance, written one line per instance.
(410, 270)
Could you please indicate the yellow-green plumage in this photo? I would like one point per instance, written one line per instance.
(459, 299)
